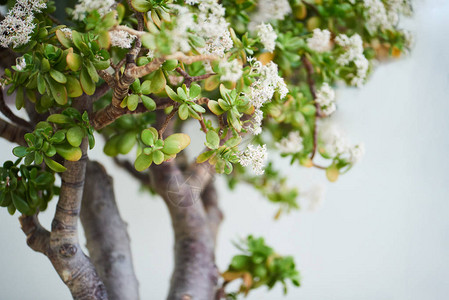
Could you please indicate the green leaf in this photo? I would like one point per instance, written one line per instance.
(133, 101)
(73, 87)
(141, 5)
(235, 122)
(183, 111)
(20, 204)
(44, 179)
(20, 100)
(38, 157)
(74, 61)
(148, 102)
(20, 151)
(77, 39)
(75, 136)
(182, 94)
(126, 142)
(111, 146)
(194, 91)
(170, 65)
(63, 39)
(198, 108)
(58, 91)
(171, 93)
(58, 137)
(57, 167)
(142, 162)
(58, 76)
(240, 262)
(204, 156)
(91, 70)
(40, 84)
(59, 119)
(232, 142)
(87, 84)
(146, 87)
(69, 152)
(158, 157)
(175, 143)
(212, 140)
(148, 136)
(158, 81)
(215, 107)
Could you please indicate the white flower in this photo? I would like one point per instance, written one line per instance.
(254, 156)
(84, 7)
(213, 27)
(320, 41)
(291, 143)
(376, 15)
(325, 97)
(16, 27)
(121, 39)
(20, 63)
(353, 47)
(67, 32)
(267, 36)
(230, 70)
(255, 123)
(192, 2)
(262, 90)
(184, 24)
(270, 10)
(335, 144)
(356, 153)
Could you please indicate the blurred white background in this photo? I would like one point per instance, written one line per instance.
(382, 231)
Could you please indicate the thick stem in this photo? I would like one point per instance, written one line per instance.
(107, 237)
(72, 265)
(209, 197)
(195, 275)
(12, 133)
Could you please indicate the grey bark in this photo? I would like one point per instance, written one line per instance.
(108, 241)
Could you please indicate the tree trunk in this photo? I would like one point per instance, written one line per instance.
(107, 237)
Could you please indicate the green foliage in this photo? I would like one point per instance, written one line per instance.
(25, 188)
(186, 98)
(259, 265)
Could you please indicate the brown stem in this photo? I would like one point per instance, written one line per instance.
(311, 82)
(38, 238)
(167, 121)
(10, 115)
(106, 234)
(12, 133)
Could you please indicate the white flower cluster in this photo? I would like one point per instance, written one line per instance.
(121, 39)
(18, 24)
(384, 14)
(262, 90)
(292, 143)
(270, 10)
(213, 27)
(325, 97)
(184, 24)
(267, 36)
(67, 32)
(20, 63)
(353, 53)
(320, 41)
(230, 70)
(255, 123)
(254, 156)
(337, 145)
(86, 6)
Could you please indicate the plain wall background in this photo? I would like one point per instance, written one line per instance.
(382, 232)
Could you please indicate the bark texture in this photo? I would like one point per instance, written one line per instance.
(195, 275)
(107, 237)
(61, 245)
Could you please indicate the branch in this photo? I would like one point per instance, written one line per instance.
(195, 275)
(72, 265)
(309, 69)
(10, 115)
(38, 238)
(107, 237)
(12, 133)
